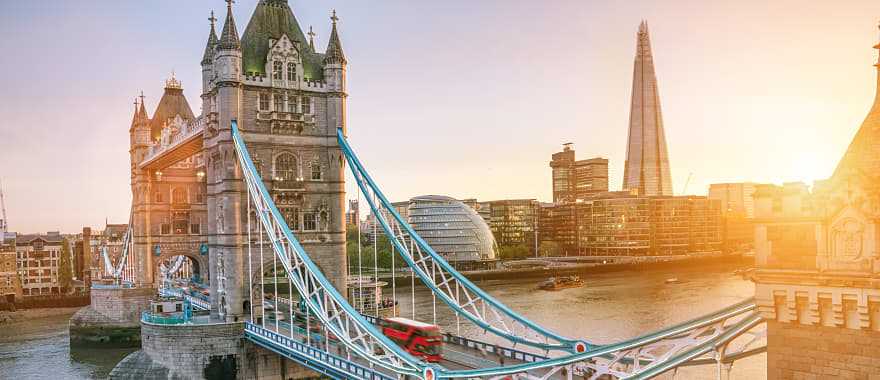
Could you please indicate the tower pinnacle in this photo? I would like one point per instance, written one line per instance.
(212, 42)
(863, 153)
(334, 52)
(229, 36)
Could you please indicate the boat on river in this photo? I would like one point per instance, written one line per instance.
(559, 283)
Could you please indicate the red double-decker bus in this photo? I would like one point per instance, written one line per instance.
(417, 338)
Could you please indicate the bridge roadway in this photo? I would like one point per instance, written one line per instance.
(458, 353)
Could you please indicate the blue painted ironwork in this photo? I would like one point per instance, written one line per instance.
(466, 305)
(319, 295)
(641, 357)
(311, 357)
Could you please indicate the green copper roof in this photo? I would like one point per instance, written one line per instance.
(271, 19)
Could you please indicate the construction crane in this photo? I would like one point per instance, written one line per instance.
(3, 224)
(686, 183)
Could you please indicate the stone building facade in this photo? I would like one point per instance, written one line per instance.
(818, 267)
(38, 263)
(288, 100)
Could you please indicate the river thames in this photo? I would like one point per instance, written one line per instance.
(611, 307)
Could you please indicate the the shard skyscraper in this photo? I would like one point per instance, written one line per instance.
(647, 162)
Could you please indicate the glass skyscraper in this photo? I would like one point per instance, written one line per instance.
(647, 161)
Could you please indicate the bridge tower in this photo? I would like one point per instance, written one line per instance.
(288, 100)
(168, 187)
(817, 280)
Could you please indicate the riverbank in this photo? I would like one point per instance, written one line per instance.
(10, 317)
(544, 268)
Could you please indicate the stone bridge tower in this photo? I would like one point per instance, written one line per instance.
(168, 191)
(288, 100)
(818, 266)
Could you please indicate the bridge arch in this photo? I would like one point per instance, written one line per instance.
(196, 269)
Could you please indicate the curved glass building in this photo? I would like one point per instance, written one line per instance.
(452, 228)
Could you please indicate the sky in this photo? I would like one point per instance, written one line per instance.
(457, 97)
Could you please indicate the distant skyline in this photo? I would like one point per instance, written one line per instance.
(460, 98)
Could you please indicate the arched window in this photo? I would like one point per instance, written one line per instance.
(277, 66)
(291, 72)
(316, 171)
(285, 167)
(178, 196)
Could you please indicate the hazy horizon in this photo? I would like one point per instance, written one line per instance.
(466, 99)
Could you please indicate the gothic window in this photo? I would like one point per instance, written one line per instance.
(276, 70)
(158, 198)
(291, 103)
(291, 72)
(310, 221)
(306, 105)
(165, 227)
(285, 167)
(178, 196)
(195, 229)
(316, 171)
(264, 102)
(291, 216)
(279, 102)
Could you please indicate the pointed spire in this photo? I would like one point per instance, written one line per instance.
(334, 52)
(212, 42)
(877, 46)
(312, 35)
(229, 37)
(863, 153)
(142, 113)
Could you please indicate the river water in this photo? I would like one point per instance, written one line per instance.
(611, 307)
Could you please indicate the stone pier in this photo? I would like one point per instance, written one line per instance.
(112, 319)
(204, 351)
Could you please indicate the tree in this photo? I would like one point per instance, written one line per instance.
(514, 252)
(65, 269)
(549, 249)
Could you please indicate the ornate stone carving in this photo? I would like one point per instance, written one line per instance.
(848, 238)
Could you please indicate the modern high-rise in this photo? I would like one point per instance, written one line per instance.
(736, 198)
(573, 180)
(647, 161)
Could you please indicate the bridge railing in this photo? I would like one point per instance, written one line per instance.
(310, 356)
(162, 319)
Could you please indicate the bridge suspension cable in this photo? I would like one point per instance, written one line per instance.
(362, 341)
(459, 293)
(317, 293)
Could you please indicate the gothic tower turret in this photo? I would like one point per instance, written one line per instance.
(226, 195)
(208, 65)
(334, 61)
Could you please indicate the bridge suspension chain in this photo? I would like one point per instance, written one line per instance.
(317, 293)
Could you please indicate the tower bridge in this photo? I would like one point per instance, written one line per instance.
(253, 187)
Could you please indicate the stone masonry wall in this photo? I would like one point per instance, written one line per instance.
(263, 364)
(122, 305)
(187, 350)
(819, 352)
